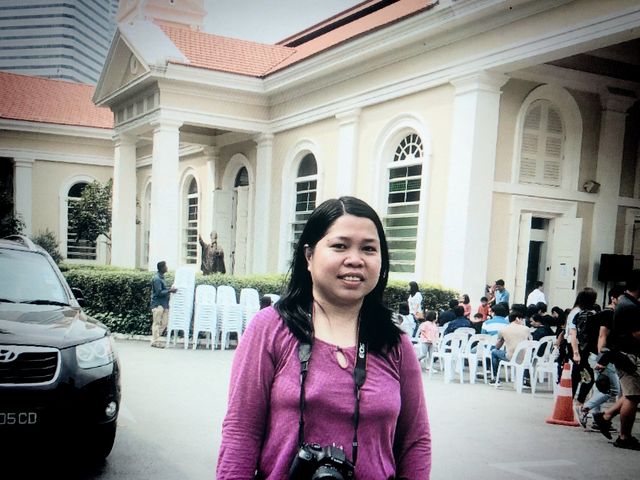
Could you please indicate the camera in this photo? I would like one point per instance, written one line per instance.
(315, 462)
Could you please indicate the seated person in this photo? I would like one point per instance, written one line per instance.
(459, 322)
(477, 321)
(498, 320)
(509, 336)
(446, 317)
(538, 328)
(483, 308)
(408, 323)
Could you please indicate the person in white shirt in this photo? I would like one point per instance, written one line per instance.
(537, 295)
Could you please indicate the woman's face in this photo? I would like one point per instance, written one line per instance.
(345, 264)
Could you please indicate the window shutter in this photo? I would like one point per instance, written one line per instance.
(542, 145)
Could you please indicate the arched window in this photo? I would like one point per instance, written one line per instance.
(77, 249)
(242, 178)
(190, 242)
(403, 203)
(542, 145)
(305, 197)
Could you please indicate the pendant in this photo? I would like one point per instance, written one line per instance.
(341, 358)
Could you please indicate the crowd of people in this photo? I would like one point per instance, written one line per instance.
(602, 346)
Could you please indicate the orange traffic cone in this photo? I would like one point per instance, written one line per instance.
(563, 411)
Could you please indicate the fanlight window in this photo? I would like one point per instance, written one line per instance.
(77, 249)
(542, 145)
(305, 196)
(403, 203)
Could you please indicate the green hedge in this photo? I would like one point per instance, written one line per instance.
(120, 297)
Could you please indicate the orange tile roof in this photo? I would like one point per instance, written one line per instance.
(43, 100)
(243, 57)
(232, 55)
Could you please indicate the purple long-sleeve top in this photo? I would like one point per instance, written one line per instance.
(260, 430)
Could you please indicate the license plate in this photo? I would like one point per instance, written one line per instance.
(10, 419)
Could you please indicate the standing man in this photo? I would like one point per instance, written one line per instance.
(537, 295)
(499, 294)
(160, 304)
(625, 338)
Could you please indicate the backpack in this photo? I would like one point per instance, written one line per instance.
(587, 330)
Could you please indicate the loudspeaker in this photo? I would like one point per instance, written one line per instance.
(614, 267)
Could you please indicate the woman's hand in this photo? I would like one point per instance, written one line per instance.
(576, 357)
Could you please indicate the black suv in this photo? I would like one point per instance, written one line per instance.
(59, 373)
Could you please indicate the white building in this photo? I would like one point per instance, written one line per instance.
(64, 40)
(479, 130)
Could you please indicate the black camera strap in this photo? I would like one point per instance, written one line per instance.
(359, 377)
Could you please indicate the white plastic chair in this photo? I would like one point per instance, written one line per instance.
(180, 310)
(230, 316)
(250, 302)
(521, 360)
(226, 294)
(474, 354)
(447, 352)
(181, 304)
(205, 317)
(545, 365)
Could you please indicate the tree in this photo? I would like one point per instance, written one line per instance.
(10, 222)
(90, 216)
(47, 240)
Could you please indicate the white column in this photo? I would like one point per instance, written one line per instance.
(23, 191)
(470, 182)
(347, 152)
(263, 208)
(123, 210)
(608, 170)
(207, 212)
(164, 235)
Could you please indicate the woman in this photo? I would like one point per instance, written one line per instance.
(415, 301)
(333, 301)
(466, 304)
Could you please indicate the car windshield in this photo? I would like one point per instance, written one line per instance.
(28, 276)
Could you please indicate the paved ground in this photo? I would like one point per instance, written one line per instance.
(174, 402)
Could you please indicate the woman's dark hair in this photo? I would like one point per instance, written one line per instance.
(431, 315)
(376, 324)
(413, 288)
(465, 299)
(586, 298)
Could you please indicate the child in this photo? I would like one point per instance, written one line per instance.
(407, 323)
(483, 308)
(428, 337)
(476, 322)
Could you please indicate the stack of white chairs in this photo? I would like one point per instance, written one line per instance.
(229, 314)
(521, 360)
(250, 302)
(181, 304)
(205, 317)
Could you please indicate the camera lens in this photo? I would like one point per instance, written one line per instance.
(327, 472)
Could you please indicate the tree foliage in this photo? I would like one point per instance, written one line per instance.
(47, 240)
(91, 215)
(10, 222)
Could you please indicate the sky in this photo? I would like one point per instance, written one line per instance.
(268, 21)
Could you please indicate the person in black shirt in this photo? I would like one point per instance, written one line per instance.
(625, 340)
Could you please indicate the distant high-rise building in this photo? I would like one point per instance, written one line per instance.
(63, 40)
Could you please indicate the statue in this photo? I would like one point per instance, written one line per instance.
(212, 256)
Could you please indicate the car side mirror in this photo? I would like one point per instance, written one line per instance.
(79, 296)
